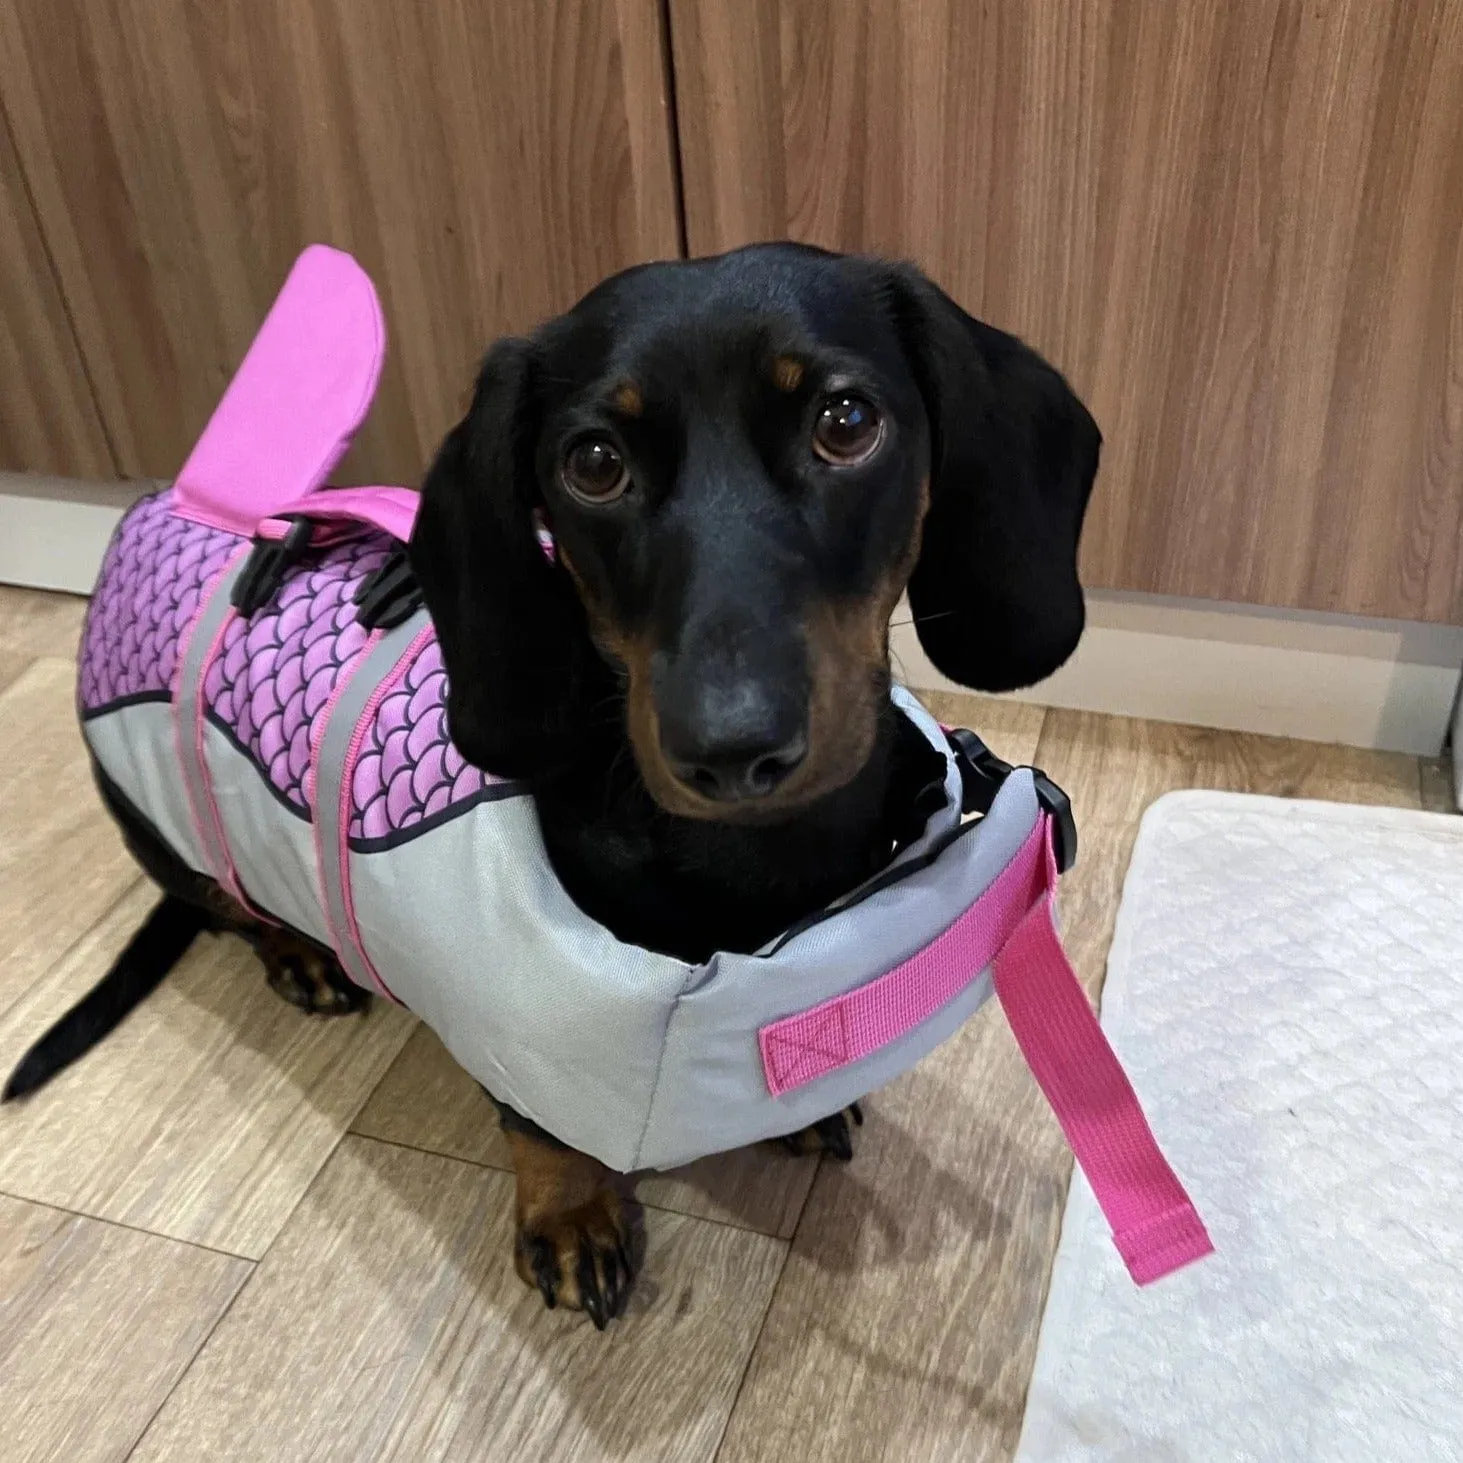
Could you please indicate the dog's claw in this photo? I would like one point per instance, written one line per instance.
(589, 1292)
(545, 1270)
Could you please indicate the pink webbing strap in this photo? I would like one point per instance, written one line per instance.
(1010, 927)
(348, 940)
(1155, 1226)
(394, 510)
(200, 645)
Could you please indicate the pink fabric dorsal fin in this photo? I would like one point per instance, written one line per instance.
(292, 408)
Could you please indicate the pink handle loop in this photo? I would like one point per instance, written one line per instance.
(393, 510)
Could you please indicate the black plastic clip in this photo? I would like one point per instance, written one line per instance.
(389, 595)
(981, 776)
(264, 569)
(1064, 822)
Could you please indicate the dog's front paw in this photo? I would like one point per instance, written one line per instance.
(581, 1258)
(830, 1135)
(307, 977)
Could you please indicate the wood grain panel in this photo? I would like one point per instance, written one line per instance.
(48, 420)
(906, 1322)
(1238, 228)
(387, 1323)
(36, 624)
(62, 862)
(486, 163)
(96, 1325)
(207, 1113)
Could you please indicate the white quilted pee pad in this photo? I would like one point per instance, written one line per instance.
(1286, 991)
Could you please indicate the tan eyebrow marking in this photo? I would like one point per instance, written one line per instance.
(627, 397)
(787, 373)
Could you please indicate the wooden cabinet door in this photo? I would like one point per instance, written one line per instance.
(486, 163)
(1238, 227)
(48, 420)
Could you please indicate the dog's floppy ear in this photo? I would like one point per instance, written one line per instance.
(513, 633)
(996, 599)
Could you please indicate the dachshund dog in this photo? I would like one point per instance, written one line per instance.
(661, 552)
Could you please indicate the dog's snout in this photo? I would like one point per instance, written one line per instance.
(733, 742)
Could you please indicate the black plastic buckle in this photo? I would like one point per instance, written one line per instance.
(389, 595)
(264, 569)
(1064, 822)
(981, 776)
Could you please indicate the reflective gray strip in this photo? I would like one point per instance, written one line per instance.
(330, 775)
(188, 707)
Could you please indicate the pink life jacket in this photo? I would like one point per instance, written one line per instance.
(300, 756)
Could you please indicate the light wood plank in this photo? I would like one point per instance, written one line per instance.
(34, 623)
(62, 862)
(206, 1115)
(96, 1325)
(48, 419)
(387, 1323)
(1237, 227)
(427, 1101)
(906, 1322)
(905, 1319)
(181, 155)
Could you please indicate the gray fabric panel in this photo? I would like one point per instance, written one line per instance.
(630, 1056)
(471, 928)
(186, 710)
(638, 1059)
(273, 849)
(380, 660)
(712, 1093)
(575, 1030)
(136, 747)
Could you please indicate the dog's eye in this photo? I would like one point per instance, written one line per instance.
(594, 471)
(848, 431)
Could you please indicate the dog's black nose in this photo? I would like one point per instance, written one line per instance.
(735, 742)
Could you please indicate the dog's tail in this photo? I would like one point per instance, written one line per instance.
(150, 954)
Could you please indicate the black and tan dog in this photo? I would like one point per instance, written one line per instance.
(744, 463)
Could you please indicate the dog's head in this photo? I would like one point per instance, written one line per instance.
(743, 463)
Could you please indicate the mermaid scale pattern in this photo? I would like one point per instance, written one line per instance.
(408, 771)
(274, 673)
(156, 569)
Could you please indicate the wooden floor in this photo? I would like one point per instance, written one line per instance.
(234, 1233)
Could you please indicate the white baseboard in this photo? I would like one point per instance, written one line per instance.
(1389, 684)
(1323, 678)
(54, 531)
